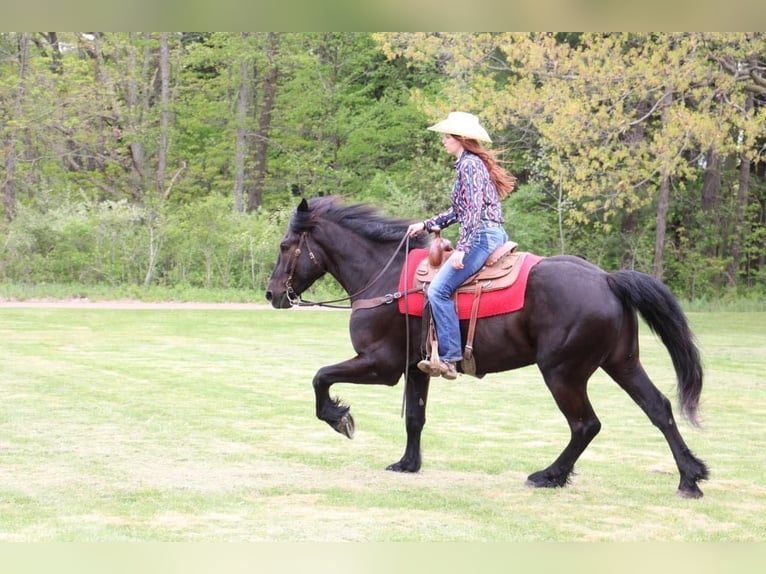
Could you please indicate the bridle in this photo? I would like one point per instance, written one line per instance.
(292, 296)
(296, 299)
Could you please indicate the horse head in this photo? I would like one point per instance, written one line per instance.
(299, 263)
(355, 244)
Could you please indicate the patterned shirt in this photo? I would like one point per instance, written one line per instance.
(474, 201)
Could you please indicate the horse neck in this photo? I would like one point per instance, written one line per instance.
(355, 261)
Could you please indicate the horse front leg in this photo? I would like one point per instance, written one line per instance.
(416, 398)
(360, 370)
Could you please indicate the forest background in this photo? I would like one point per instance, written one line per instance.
(173, 160)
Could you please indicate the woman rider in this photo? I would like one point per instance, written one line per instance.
(479, 186)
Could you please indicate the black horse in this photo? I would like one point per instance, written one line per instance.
(576, 318)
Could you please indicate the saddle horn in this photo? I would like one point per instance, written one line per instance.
(440, 248)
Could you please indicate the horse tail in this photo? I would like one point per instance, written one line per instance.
(661, 311)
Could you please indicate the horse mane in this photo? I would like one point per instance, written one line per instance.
(363, 219)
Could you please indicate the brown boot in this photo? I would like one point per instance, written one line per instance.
(448, 370)
(429, 368)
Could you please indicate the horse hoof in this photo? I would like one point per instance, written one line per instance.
(532, 484)
(346, 426)
(541, 480)
(685, 493)
(403, 467)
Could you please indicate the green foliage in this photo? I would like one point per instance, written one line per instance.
(73, 241)
(204, 245)
(595, 126)
(531, 220)
(211, 245)
(608, 123)
(343, 118)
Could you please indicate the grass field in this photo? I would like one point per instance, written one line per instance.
(198, 425)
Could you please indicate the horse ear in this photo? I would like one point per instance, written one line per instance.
(303, 205)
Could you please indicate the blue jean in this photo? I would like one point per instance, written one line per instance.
(445, 283)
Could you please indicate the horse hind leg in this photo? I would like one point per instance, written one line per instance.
(572, 400)
(634, 380)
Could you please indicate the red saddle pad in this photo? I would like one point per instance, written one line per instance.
(492, 302)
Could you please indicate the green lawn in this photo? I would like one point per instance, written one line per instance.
(198, 425)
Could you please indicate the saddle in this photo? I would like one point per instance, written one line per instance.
(501, 270)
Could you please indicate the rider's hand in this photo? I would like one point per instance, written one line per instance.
(416, 228)
(457, 259)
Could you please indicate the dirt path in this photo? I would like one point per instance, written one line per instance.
(84, 303)
(125, 304)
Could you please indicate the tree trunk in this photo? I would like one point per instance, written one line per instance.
(628, 227)
(711, 185)
(633, 138)
(740, 208)
(662, 221)
(11, 157)
(662, 202)
(134, 114)
(57, 66)
(240, 153)
(98, 158)
(255, 192)
(162, 150)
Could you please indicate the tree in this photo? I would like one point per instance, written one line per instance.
(623, 119)
(269, 83)
(137, 92)
(13, 131)
(243, 106)
(343, 120)
(634, 150)
(162, 148)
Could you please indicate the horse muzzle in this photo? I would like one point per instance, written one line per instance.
(279, 300)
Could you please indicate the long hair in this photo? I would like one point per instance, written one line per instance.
(505, 181)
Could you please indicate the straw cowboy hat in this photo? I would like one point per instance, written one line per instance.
(462, 124)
